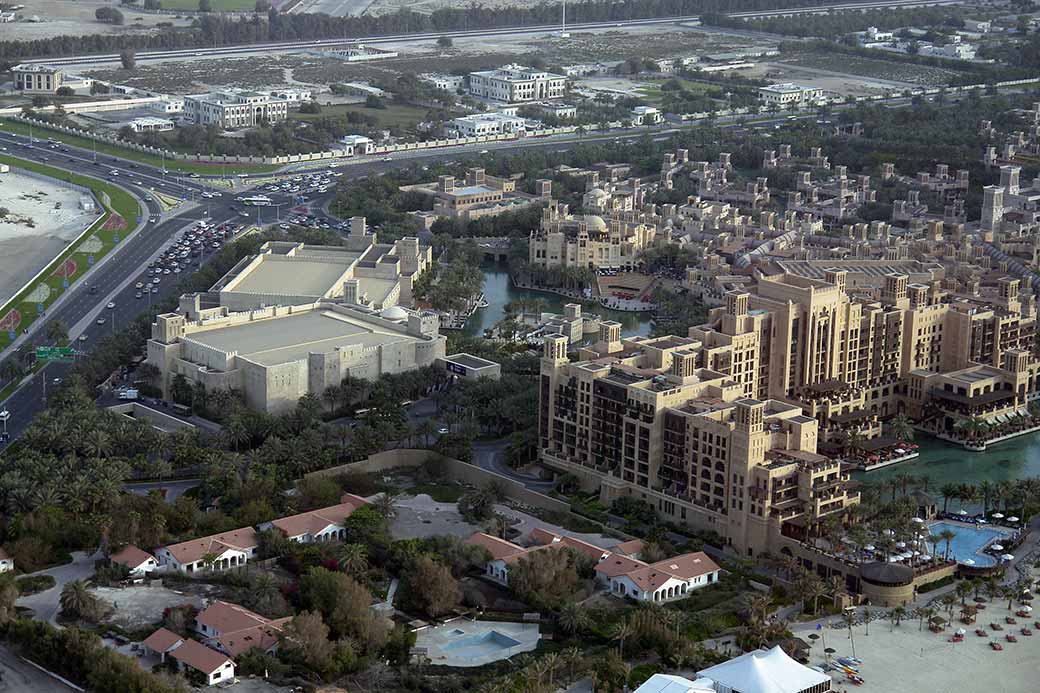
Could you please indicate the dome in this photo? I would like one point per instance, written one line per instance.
(598, 193)
(394, 313)
(595, 223)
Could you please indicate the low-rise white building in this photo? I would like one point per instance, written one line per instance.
(317, 526)
(356, 144)
(138, 561)
(6, 562)
(150, 125)
(235, 109)
(483, 124)
(216, 552)
(517, 84)
(438, 80)
(646, 115)
(788, 94)
(168, 104)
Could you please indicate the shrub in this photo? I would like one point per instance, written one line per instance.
(33, 584)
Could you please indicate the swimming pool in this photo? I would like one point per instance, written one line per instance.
(968, 542)
(463, 643)
(482, 643)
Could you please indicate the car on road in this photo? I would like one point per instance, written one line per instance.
(83, 337)
(100, 321)
(387, 158)
(110, 305)
(442, 430)
(140, 285)
(138, 295)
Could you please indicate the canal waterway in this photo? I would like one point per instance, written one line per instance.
(944, 463)
(498, 291)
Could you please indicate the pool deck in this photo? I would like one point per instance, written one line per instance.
(445, 644)
(979, 552)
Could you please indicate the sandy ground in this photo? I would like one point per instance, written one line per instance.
(74, 18)
(25, 251)
(824, 79)
(906, 658)
(138, 605)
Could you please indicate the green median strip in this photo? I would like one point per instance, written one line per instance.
(75, 260)
(108, 149)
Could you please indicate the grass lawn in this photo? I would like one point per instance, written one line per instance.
(108, 149)
(121, 203)
(393, 114)
(217, 5)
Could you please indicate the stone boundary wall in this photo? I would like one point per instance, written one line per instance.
(456, 470)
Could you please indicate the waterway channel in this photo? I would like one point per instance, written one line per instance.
(498, 291)
(944, 463)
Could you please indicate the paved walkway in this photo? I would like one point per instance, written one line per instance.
(45, 604)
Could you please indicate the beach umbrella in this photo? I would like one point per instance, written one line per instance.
(829, 651)
(1027, 608)
(996, 547)
(918, 520)
(1012, 519)
(961, 631)
(868, 547)
(998, 516)
(917, 553)
(1008, 557)
(925, 557)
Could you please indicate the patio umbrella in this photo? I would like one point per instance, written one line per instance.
(968, 562)
(1008, 557)
(888, 533)
(982, 521)
(926, 557)
(900, 544)
(998, 516)
(917, 553)
(962, 511)
(996, 547)
(869, 547)
(961, 631)
(918, 520)
(893, 559)
(1012, 519)
(1027, 608)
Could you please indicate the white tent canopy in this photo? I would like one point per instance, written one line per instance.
(764, 671)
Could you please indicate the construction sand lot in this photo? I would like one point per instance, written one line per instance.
(57, 219)
(140, 605)
(52, 18)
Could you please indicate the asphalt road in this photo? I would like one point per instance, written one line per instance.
(17, 676)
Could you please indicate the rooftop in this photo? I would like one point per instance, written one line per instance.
(296, 277)
(286, 339)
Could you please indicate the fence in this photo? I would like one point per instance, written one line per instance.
(456, 470)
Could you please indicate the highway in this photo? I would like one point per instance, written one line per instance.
(290, 46)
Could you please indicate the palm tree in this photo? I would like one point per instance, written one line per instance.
(947, 535)
(574, 618)
(963, 589)
(812, 587)
(897, 615)
(622, 630)
(854, 441)
(925, 613)
(77, 601)
(934, 540)
(986, 489)
(57, 332)
(353, 559)
(948, 491)
(384, 505)
(902, 427)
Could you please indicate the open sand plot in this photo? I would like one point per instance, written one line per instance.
(907, 658)
(42, 219)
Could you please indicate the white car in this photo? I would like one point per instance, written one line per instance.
(110, 306)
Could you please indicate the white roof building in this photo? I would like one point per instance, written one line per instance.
(666, 683)
(765, 671)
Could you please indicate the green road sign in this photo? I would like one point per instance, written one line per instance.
(60, 353)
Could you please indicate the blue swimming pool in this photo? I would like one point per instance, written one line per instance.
(969, 541)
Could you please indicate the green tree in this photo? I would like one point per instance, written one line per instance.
(432, 588)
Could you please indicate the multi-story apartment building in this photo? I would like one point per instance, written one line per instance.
(517, 84)
(33, 78)
(235, 109)
(642, 418)
(565, 240)
(724, 429)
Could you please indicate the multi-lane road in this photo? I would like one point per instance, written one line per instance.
(291, 46)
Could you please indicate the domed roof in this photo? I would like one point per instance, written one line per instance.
(882, 573)
(599, 193)
(595, 223)
(394, 313)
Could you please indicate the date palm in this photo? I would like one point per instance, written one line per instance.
(353, 558)
(622, 630)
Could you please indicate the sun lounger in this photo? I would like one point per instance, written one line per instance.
(996, 646)
(1027, 632)
(1022, 614)
(1011, 638)
(1010, 621)
(981, 633)
(996, 626)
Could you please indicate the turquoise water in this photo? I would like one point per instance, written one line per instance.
(499, 291)
(943, 463)
(970, 541)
